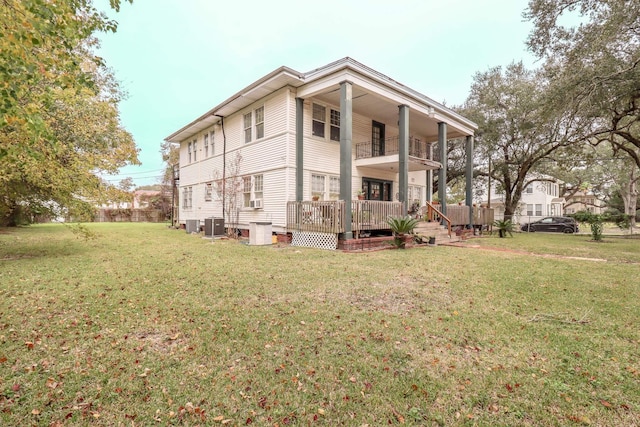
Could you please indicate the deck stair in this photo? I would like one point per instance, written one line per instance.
(433, 228)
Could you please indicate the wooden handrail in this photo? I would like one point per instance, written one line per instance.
(434, 214)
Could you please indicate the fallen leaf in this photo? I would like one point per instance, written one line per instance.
(35, 412)
(605, 403)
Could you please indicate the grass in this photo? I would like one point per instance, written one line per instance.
(147, 325)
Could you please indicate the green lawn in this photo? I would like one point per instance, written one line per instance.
(150, 326)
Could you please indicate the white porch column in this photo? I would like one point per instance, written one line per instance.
(346, 131)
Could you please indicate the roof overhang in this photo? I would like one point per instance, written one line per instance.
(369, 88)
(270, 83)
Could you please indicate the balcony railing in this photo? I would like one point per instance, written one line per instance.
(329, 216)
(390, 146)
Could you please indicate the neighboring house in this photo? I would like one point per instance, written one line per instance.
(329, 133)
(583, 201)
(540, 198)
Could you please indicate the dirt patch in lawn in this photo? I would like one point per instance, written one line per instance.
(514, 251)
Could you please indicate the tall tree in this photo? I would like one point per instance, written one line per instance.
(59, 122)
(517, 132)
(592, 48)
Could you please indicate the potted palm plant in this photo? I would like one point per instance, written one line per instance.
(400, 227)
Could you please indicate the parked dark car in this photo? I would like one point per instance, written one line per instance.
(560, 224)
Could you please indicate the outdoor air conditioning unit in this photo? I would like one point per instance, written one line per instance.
(192, 226)
(256, 203)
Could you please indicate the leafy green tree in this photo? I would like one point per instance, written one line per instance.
(592, 48)
(518, 131)
(59, 122)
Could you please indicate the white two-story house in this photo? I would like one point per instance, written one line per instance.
(540, 198)
(362, 144)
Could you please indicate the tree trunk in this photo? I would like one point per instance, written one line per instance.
(629, 193)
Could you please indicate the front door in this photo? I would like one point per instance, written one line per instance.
(377, 139)
(376, 189)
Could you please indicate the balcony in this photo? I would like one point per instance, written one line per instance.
(384, 154)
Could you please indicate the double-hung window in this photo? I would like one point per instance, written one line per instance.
(187, 197)
(326, 187)
(208, 191)
(253, 120)
(259, 125)
(252, 190)
(195, 150)
(247, 127)
(538, 210)
(212, 135)
(334, 132)
(334, 187)
(189, 151)
(317, 185)
(529, 209)
(206, 145)
(319, 122)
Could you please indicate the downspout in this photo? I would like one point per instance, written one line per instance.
(224, 168)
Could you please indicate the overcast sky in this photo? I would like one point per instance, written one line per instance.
(176, 59)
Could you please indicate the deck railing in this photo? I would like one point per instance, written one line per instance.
(417, 148)
(329, 216)
(320, 217)
(369, 215)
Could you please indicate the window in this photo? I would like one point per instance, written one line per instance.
(189, 151)
(538, 210)
(251, 120)
(529, 189)
(212, 134)
(252, 189)
(317, 185)
(257, 186)
(206, 145)
(187, 197)
(247, 127)
(208, 191)
(334, 133)
(318, 120)
(334, 187)
(259, 116)
(195, 150)
(529, 209)
(414, 193)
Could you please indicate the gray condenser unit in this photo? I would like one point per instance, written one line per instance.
(192, 226)
(213, 227)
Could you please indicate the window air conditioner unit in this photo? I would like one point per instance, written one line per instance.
(256, 203)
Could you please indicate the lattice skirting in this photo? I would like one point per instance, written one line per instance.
(310, 239)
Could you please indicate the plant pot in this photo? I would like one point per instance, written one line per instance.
(360, 197)
(432, 241)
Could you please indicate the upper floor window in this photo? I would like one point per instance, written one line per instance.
(212, 135)
(253, 120)
(189, 151)
(247, 127)
(206, 145)
(195, 150)
(529, 189)
(259, 118)
(319, 122)
(335, 125)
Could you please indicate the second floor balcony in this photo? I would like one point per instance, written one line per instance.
(384, 153)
